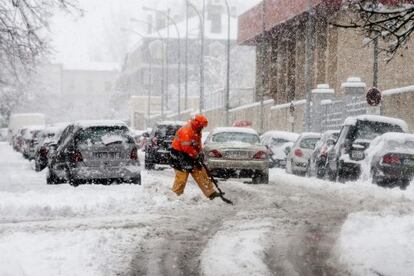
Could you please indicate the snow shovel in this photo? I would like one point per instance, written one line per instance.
(221, 193)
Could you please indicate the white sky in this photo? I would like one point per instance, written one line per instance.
(97, 36)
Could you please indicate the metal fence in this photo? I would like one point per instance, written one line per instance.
(335, 112)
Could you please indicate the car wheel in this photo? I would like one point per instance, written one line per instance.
(320, 171)
(136, 180)
(51, 178)
(308, 170)
(149, 165)
(261, 178)
(331, 174)
(404, 184)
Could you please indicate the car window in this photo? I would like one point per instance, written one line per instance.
(308, 143)
(227, 137)
(278, 141)
(165, 130)
(368, 130)
(103, 134)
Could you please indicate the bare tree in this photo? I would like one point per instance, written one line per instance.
(23, 43)
(22, 40)
(388, 20)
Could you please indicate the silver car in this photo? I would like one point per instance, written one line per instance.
(94, 151)
(237, 152)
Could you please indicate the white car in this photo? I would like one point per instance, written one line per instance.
(300, 154)
(236, 152)
(276, 143)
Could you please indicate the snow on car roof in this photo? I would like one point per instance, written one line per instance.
(290, 136)
(391, 140)
(97, 123)
(377, 118)
(235, 129)
(310, 135)
(397, 137)
(179, 123)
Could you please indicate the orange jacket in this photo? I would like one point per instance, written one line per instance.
(188, 140)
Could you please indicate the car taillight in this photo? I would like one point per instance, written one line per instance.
(154, 141)
(298, 153)
(215, 154)
(134, 154)
(76, 157)
(391, 159)
(260, 155)
(43, 151)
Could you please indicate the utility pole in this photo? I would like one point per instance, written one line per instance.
(200, 17)
(186, 58)
(309, 64)
(202, 58)
(263, 61)
(227, 100)
(167, 59)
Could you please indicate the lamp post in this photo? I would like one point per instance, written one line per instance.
(227, 99)
(309, 65)
(166, 15)
(162, 62)
(202, 58)
(263, 46)
(200, 17)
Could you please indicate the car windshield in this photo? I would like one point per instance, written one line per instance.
(368, 130)
(228, 137)
(308, 143)
(105, 135)
(278, 141)
(166, 130)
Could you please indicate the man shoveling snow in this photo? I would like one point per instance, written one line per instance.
(186, 158)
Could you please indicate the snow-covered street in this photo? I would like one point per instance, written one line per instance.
(294, 226)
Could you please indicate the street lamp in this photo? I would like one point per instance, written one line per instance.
(263, 46)
(162, 39)
(166, 15)
(227, 100)
(200, 17)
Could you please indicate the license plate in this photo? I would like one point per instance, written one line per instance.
(107, 155)
(237, 155)
(409, 162)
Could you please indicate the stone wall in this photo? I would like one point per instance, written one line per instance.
(399, 103)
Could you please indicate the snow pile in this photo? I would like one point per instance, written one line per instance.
(91, 252)
(65, 201)
(237, 249)
(376, 244)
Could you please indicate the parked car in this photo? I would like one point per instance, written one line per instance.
(236, 152)
(344, 159)
(23, 120)
(390, 160)
(48, 137)
(3, 134)
(158, 146)
(92, 151)
(299, 155)
(30, 140)
(319, 157)
(277, 142)
(17, 139)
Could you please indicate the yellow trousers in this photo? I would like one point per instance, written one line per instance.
(201, 178)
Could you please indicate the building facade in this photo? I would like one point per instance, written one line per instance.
(338, 53)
